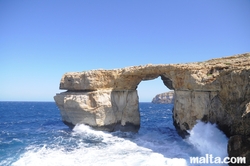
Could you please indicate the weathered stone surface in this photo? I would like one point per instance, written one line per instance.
(198, 105)
(239, 146)
(105, 110)
(164, 98)
(177, 76)
(216, 91)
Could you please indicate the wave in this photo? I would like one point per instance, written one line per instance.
(208, 139)
(88, 147)
(96, 148)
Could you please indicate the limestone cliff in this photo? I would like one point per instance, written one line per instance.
(216, 91)
(164, 98)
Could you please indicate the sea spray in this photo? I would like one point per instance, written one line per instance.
(47, 141)
(208, 140)
(97, 148)
(91, 147)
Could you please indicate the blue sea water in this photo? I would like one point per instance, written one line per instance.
(32, 133)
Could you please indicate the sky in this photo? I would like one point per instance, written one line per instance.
(42, 40)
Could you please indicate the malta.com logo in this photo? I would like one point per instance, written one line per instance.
(209, 159)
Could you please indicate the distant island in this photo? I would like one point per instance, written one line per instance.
(164, 98)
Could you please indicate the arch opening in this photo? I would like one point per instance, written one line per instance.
(149, 90)
(156, 120)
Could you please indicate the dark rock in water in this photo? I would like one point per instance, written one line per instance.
(164, 98)
(239, 146)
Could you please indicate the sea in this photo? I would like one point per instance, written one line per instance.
(32, 134)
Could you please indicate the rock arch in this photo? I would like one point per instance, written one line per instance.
(217, 91)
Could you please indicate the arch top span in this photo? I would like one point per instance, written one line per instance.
(178, 76)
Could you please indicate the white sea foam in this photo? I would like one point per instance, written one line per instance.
(111, 149)
(114, 151)
(208, 139)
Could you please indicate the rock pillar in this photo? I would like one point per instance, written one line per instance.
(105, 110)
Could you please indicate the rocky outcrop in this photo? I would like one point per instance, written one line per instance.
(164, 98)
(216, 91)
(105, 110)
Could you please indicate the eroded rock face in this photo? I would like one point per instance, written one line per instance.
(216, 91)
(104, 110)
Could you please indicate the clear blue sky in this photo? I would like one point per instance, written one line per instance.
(41, 40)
